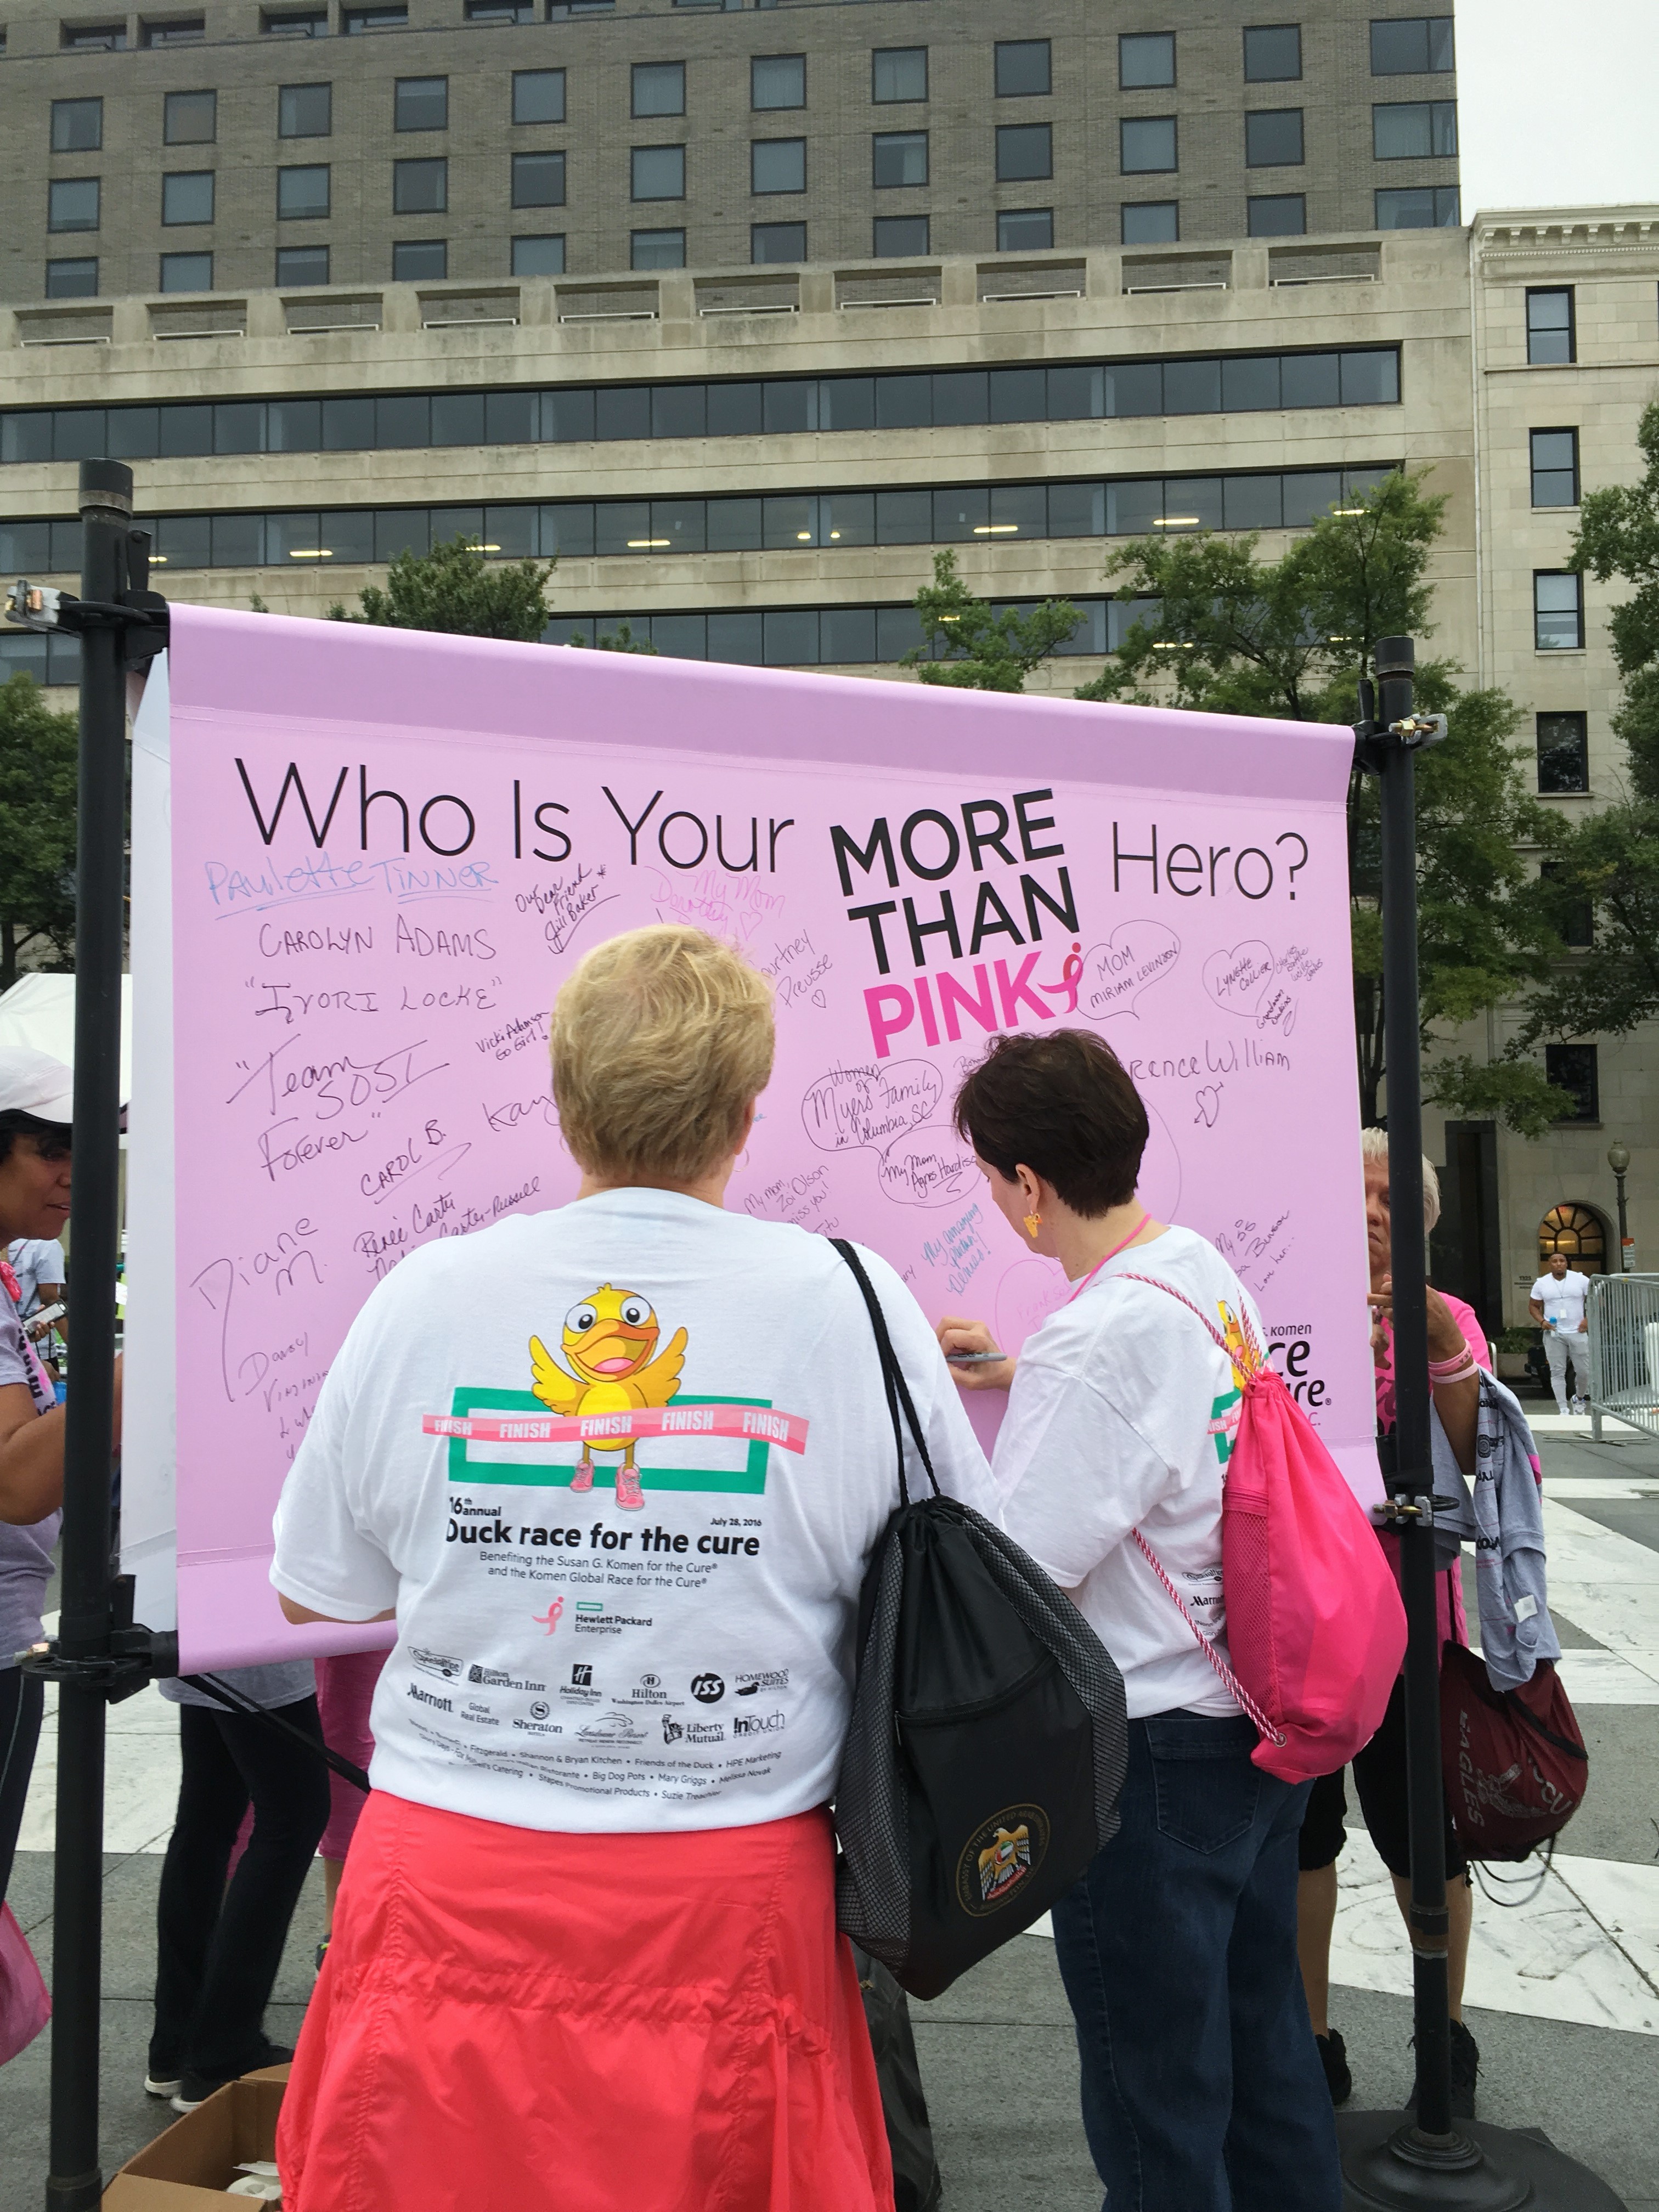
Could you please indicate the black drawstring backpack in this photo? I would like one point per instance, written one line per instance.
(987, 1741)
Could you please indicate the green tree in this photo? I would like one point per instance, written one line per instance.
(1229, 633)
(984, 651)
(37, 827)
(455, 589)
(1611, 860)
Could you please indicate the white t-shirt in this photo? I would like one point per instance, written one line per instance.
(1563, 1301)
(563, 1662)
(34, 1261)
(1122, 1417)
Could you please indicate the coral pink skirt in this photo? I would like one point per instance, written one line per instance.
(614, 2023)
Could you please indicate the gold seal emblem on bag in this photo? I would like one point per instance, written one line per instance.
(999, 1858)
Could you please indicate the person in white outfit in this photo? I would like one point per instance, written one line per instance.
(1556, 1303)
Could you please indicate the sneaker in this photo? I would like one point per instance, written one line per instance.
(1333, 2058)
(161, 2084)
(194, 2089)
(1464, 2071)
(584, 1476)
(630, 1496)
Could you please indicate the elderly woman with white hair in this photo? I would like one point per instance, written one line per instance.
(1457, 1349)
(616, 1469)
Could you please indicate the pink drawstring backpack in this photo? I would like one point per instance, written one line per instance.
(25, 2008)
(1315, 1625)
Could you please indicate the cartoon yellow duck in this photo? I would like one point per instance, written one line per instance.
(609, 1340)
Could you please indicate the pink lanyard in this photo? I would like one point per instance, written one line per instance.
(1112, 1255)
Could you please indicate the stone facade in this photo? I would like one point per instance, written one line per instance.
(1316, 161)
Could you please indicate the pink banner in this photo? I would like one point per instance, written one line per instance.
(786, 1430)
(388, 848)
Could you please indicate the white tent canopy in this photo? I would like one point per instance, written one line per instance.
(40, 1010)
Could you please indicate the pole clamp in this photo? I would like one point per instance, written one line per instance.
(140, 614)
(1403, 1510)
(136, 1655)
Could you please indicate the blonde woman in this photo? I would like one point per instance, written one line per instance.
(585, 1943)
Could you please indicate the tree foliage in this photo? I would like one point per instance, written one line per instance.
(1611, 860)
(455, 589)
(37, 828)
(620, 640)
(1229, 633)
(984, 651)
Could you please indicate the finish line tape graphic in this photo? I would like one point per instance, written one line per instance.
(754, 1424)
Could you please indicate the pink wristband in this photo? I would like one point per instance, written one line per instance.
(1451, 1371)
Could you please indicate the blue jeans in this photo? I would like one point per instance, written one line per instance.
(1202, 2090)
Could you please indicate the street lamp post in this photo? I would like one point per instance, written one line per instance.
(1619, 1161)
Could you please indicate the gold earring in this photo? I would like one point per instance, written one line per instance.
(1033, 1223)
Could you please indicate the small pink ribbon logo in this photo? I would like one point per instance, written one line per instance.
(549, 1619)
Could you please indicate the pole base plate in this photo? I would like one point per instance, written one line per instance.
(1388, 2166)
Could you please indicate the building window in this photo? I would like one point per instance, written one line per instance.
(1149, 223)
(659, 173)
(500, 11)
(1025, 151)
(1555, 468)
(420, 187)
(1414, 130)
(1552, 331)
(899, 234)
(72, 280)
(898, 73)
(305, 111)
(421, 103)
(538, 180)
(1557, 610)
(659, 88)
(1576, 1231)
(777, 81)
(657, 249)
(355, 21)
(186, 272)
(900, 157)
(779, 165)
(1023, 69)
(1147, 144)
(1574, 915)
(303, 264)
(1272, 138)
(1563, 753)
(77, 126)
(1273, 53)
(72, 203)
(295, 23)
(94, 37)
(419, 260)
(174, 31)
(1572, 1069)
(1418, 207)
(777, 241)
(1412, 46)
(538, 95)
(1146, 58)
(1277, 215)
(302, 194)
(538, 257)
(187, 197)
(1025, 230)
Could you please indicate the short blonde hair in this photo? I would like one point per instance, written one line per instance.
(660, 1039)
(1374, 1146)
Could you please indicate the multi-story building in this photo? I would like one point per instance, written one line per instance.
(237, 145)
(753, 456)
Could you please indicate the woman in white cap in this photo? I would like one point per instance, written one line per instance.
(36, 1096)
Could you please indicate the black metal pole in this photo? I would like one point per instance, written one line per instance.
(1624, 1230)
(1429, 2163)
(1413, 1477)
(75, 2181)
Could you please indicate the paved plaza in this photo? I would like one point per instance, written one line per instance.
(1563, 1988)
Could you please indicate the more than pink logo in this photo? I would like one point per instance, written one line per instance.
(549, 1619)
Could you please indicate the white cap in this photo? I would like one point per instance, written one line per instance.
(34, 1082)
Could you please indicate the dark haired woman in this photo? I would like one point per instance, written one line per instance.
(1202, 2091)
(34, 1197)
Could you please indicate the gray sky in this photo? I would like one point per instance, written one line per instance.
(1558, 103)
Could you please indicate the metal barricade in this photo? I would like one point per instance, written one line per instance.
(1623, 1313)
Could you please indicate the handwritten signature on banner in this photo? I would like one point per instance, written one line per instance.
(888, 1109)
(565, 902)
(1260, 985)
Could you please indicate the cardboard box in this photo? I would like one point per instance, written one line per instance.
(189, 2168)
